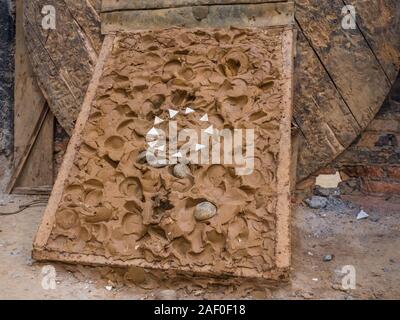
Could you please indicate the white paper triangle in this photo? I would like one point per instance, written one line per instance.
(153, 132)
(362, 215)
(158, 120)
(172, 113)
(161, 148)
(189, 110)
(209, 130)
(204, 118)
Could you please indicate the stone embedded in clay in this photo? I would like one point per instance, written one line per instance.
(181, 171)
(149, 158)
(205, 211)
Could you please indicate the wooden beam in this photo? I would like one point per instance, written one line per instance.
(24, 156)
(29, 103)
(217, 16)
(116, 5)
(44, 190)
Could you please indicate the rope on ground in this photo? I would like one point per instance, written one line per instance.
(23, 207)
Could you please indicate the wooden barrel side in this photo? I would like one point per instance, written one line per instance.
(342, 76)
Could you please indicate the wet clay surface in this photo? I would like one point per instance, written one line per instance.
(118, 206)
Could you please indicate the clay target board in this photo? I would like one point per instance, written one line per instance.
(340, 74)
(180, 159)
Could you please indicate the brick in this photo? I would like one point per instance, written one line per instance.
(393, 172)
(327, 170)
(387, 140)
(384, 125)
(380, 187)
(368, 140)
(374, 140)
(372, 172)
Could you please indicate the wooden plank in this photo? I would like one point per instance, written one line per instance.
(379, 22)
(44, 190)
(217, 16)
(63, 59)
(39, 168)
(115, 5)
(346, 57)
(28, 105)
(30, 143)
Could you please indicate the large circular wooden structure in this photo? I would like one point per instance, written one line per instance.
(342, 76)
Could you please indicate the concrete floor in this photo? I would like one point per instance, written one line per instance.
(370, 245)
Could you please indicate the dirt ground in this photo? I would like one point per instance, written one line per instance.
(370, 245)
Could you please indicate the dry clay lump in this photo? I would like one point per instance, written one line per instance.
(191, 217)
